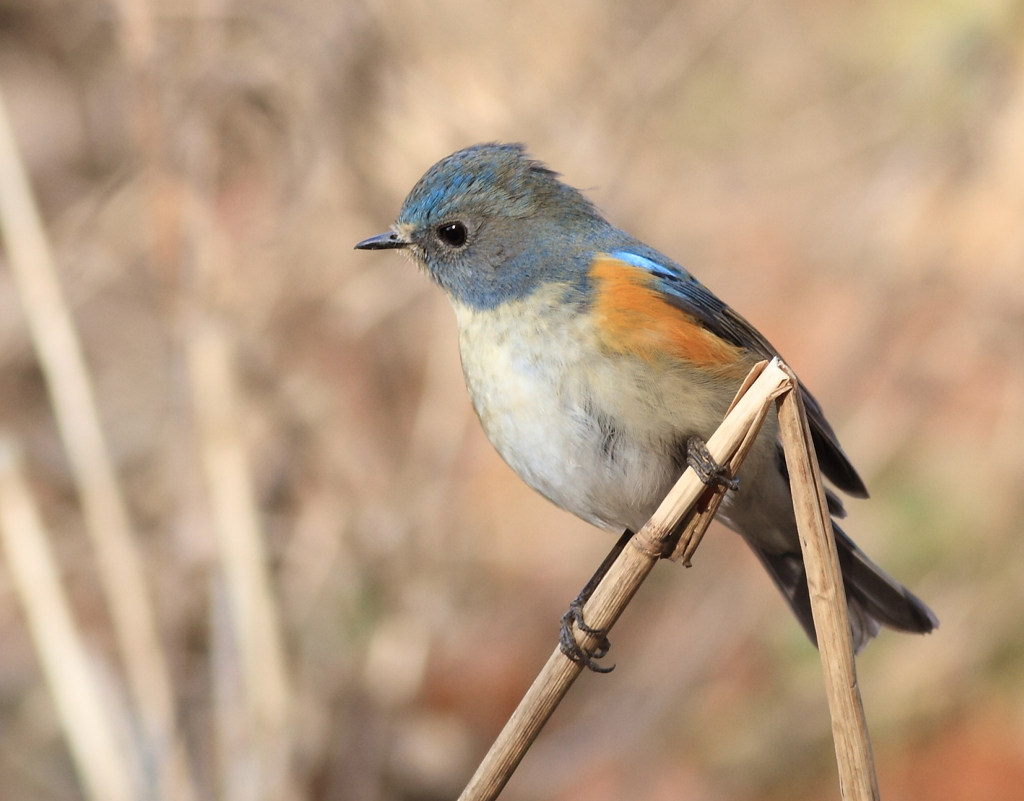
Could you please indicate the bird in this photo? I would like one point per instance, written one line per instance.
(598, 367)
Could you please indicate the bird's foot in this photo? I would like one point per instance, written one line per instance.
(570, 646)
(710, 472)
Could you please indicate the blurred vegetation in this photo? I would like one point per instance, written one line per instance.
(849, 176)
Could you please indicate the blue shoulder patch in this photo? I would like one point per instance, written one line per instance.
(646, 264)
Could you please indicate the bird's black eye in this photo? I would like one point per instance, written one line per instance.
(452, 234)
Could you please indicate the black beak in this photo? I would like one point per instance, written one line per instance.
(386, 241)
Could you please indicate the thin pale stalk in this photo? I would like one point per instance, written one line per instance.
(857, 779)
(101, 764)
(251, 601)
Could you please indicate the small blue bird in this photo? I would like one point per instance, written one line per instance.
(598, 366)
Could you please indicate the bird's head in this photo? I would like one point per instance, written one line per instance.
(489, 224)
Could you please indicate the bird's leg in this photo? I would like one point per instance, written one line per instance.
(567, 640)
(710, 472)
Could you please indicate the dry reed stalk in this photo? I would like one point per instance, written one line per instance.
(121, 570)
(621, 582)
(235, 747)
(255, 743)
(857, 779)
(101, 764)
(251, 603)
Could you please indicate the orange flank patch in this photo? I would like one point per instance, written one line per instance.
(633, 318)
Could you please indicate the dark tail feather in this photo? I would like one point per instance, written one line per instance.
(874, 598)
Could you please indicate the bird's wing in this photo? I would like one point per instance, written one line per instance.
(682, 291)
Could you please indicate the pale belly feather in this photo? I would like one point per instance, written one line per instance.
(556, 409)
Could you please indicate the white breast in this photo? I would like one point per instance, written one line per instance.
(600, 435)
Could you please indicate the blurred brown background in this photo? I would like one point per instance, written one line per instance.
(849, 176)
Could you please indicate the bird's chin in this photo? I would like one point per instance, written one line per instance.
(416, 256)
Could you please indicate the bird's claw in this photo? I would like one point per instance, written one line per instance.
(569, 645)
